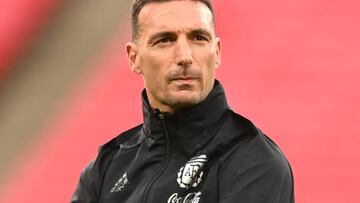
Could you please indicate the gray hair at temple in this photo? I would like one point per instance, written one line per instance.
(139, 4)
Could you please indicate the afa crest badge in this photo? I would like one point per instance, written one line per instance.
(190, 175)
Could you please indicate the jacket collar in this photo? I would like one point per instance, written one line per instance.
(198, 116)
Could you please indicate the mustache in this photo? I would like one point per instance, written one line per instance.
(182, 73)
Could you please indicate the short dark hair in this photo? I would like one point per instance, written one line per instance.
(139, 4)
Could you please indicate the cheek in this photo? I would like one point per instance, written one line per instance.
(205, 55)
(207, 61)
(153, 70)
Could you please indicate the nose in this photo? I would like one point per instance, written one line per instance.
(183, 53)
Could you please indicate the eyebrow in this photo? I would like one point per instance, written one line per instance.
(199, 31)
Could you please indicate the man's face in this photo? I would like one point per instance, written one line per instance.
(176, 52)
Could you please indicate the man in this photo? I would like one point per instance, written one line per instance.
(191, 147)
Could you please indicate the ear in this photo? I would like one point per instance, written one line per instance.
(133, 57)
(218, 51)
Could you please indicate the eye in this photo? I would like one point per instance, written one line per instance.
(164, 40)
(200, 38)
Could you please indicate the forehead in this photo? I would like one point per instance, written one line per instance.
(175, 15)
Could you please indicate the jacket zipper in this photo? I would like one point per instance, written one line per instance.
(166, 162)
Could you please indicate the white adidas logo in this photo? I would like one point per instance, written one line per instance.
(120, 184)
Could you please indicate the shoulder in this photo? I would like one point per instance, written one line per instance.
(257, 167)
(92, 175)
(130, 135)
(97, 167)
(254, 150)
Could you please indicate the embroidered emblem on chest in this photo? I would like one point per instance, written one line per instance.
(190, 175)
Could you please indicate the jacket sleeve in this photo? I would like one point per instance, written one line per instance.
(261, 174)
(272, 184)
(86, 191)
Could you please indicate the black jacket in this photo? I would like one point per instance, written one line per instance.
(201, 154)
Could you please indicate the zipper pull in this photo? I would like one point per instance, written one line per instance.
(160, 114)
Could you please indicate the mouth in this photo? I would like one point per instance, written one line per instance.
(184, 80)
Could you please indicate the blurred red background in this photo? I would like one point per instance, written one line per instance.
(292, 67)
